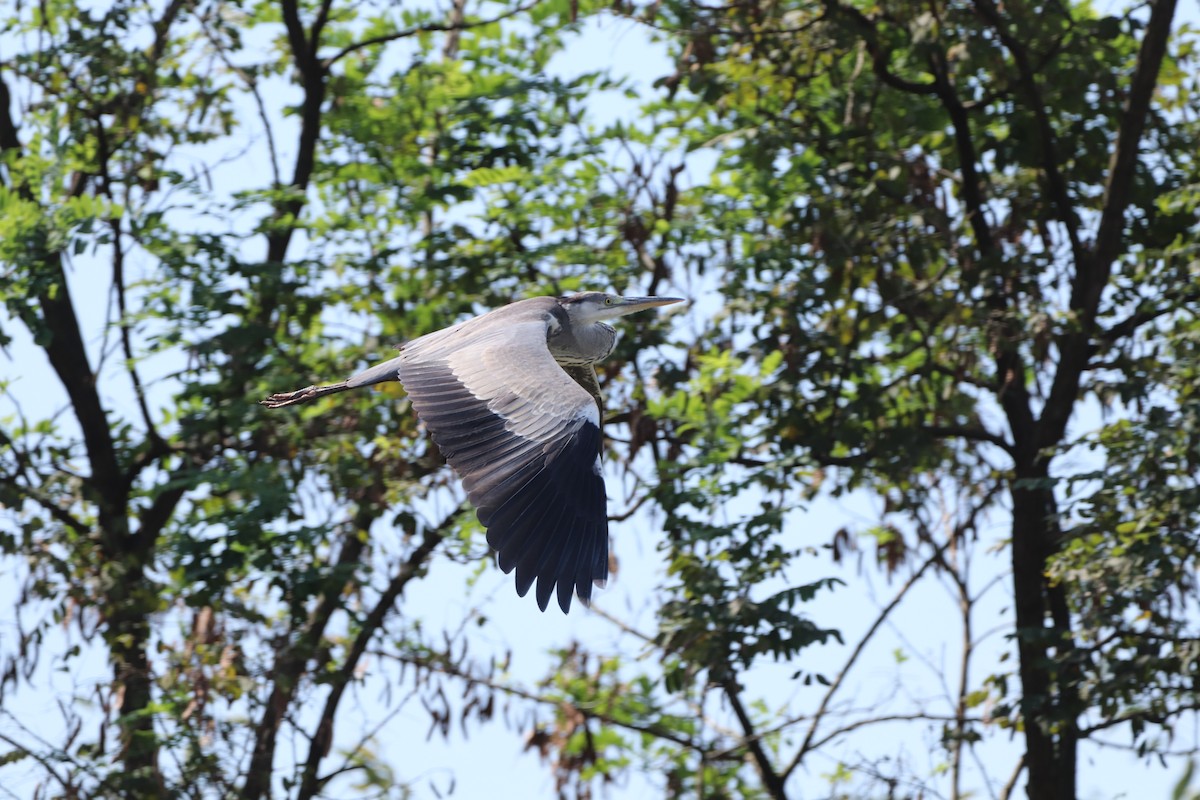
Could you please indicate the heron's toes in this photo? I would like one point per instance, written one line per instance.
(281, 399)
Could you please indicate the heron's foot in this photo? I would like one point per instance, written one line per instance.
(281, 399)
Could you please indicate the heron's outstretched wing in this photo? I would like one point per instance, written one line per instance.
(525, 439)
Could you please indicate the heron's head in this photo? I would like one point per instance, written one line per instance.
(592, 307)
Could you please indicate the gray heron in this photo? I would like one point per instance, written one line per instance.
(512, 400)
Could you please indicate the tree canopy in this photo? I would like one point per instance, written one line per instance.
(943, 264)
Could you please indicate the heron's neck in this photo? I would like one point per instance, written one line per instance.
(584, 344)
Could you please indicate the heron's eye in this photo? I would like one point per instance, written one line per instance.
(608, 301)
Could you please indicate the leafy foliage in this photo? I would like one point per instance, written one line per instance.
(942, 256)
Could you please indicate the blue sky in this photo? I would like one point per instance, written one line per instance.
(901, 666)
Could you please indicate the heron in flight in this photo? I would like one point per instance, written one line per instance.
(511, 399)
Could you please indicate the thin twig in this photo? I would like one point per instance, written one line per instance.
(434, 27)
(443, 668)
(810, 737)
(1007, 791)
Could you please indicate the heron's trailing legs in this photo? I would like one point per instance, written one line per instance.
(281, 399)
(380, 373)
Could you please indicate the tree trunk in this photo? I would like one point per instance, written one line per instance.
(124, 600)
(128, 607)
(1044, 652)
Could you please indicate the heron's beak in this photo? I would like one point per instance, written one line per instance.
(630, 305)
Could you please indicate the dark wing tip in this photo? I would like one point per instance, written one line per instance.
(553, 528)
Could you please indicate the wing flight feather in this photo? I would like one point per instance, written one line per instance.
(524, 437)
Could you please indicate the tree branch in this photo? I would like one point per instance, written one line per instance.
(1027, 79)
(158, 445)
(313, 75)
(67, 352)
(1093, 272)
(318, 27)
(60, 514)
(588, 712)
(1010, 390)
(1140, 716)
(433, 27)
(968, 159)
(808, 744)
(970, 432)
(1123, 164)
(25, 467)
(296, 35)
(292, 661)
(879, 56)
(1129, 325)
(850, 727)
(1011, 785)
(252, 84)
(772, 780)
(310, 784)
(154, 519)
(9, 139)
(69, 788)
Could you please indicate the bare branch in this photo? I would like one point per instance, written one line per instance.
(1162, 752)
(808, 744)
(1007, 791)
(42, 761)
(252, 85)
(157, 444)
(850, 727)
(589, 712)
